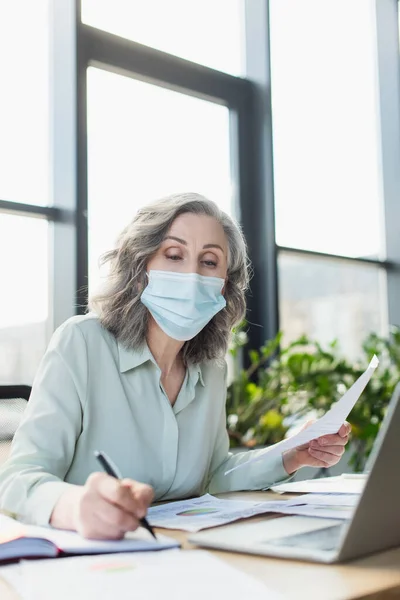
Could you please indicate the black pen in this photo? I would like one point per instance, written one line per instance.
(105, 463)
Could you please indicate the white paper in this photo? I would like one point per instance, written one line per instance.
(135, 541)
(206, 511)
(336, 485)
(325, 500)
(329, 423)
(12, 575)
(328, 506)
(193, 574)
(324, 512)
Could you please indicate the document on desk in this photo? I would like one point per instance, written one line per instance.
(329, 423)
(328, 506)
(207, 511)
(325, 500)
(323, 512)
(194, 574)
(341, 484)
(12, 574)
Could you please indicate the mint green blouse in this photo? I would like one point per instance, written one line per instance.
(91, 393)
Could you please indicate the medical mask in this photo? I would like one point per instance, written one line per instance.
(183, 303)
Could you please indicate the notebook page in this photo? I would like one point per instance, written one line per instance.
(72, 543)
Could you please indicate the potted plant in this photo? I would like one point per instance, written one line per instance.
(284, 383)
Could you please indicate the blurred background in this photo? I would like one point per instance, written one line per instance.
(283, 112)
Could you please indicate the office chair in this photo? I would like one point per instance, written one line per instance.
(13, 400)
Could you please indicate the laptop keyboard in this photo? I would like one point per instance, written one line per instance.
(319, 539)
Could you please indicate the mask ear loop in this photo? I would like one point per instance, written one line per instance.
(224, 286)
(143, 284)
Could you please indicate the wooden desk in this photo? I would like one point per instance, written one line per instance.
(373, 577)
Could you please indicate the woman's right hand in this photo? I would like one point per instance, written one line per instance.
(104, 508)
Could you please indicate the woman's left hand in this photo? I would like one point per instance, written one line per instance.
(324, 451)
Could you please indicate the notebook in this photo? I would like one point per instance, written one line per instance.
(18, 540)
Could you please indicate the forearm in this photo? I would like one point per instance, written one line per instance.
(64, 514)
(29, 491)
(291, 462)
(259, 475)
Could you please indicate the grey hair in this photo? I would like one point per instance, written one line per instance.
(118, 305)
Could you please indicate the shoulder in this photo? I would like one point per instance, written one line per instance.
(79, 332)
(214, 372)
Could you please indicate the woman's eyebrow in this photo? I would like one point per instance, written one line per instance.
(181, 241)
(172, 237)
(213, 246)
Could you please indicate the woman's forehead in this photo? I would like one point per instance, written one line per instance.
(201, 228)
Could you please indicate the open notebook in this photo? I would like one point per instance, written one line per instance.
(22, 541)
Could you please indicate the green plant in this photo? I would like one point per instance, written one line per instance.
(286, 382)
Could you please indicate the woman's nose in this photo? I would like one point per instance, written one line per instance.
(192, 266)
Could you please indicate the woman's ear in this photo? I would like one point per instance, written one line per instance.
(142, 283)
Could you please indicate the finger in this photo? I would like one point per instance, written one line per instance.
(143, 495)
(314, 460)
(337, 449)
(110, 489)
(116, 517)
(94, 527)
(335, 454)
(100, 530)
(305, 459)
(332, 440)
(345, 429)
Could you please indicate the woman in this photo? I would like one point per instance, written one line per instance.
(142, 378)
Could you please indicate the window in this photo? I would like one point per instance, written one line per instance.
(145, 142)
(24, 115)
(25, 178)
(208, 32)
(327, 170)
(24, 306)
(327, 175)
(331, 299)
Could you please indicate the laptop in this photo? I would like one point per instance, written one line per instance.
(374, 526)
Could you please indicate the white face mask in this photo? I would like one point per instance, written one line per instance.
(183, 303)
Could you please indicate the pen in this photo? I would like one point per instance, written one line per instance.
(105, 463)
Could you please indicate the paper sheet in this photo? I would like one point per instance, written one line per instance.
(336, 485)
(207, 511)
(12, 575)
(324, 512)
(193, 574)
(329, 423)
(325, 500)
(135, 541)
(329, 506)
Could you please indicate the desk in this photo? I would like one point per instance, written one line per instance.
(374, 577)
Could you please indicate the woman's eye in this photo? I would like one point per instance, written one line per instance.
(209, 263)
(174, 257)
